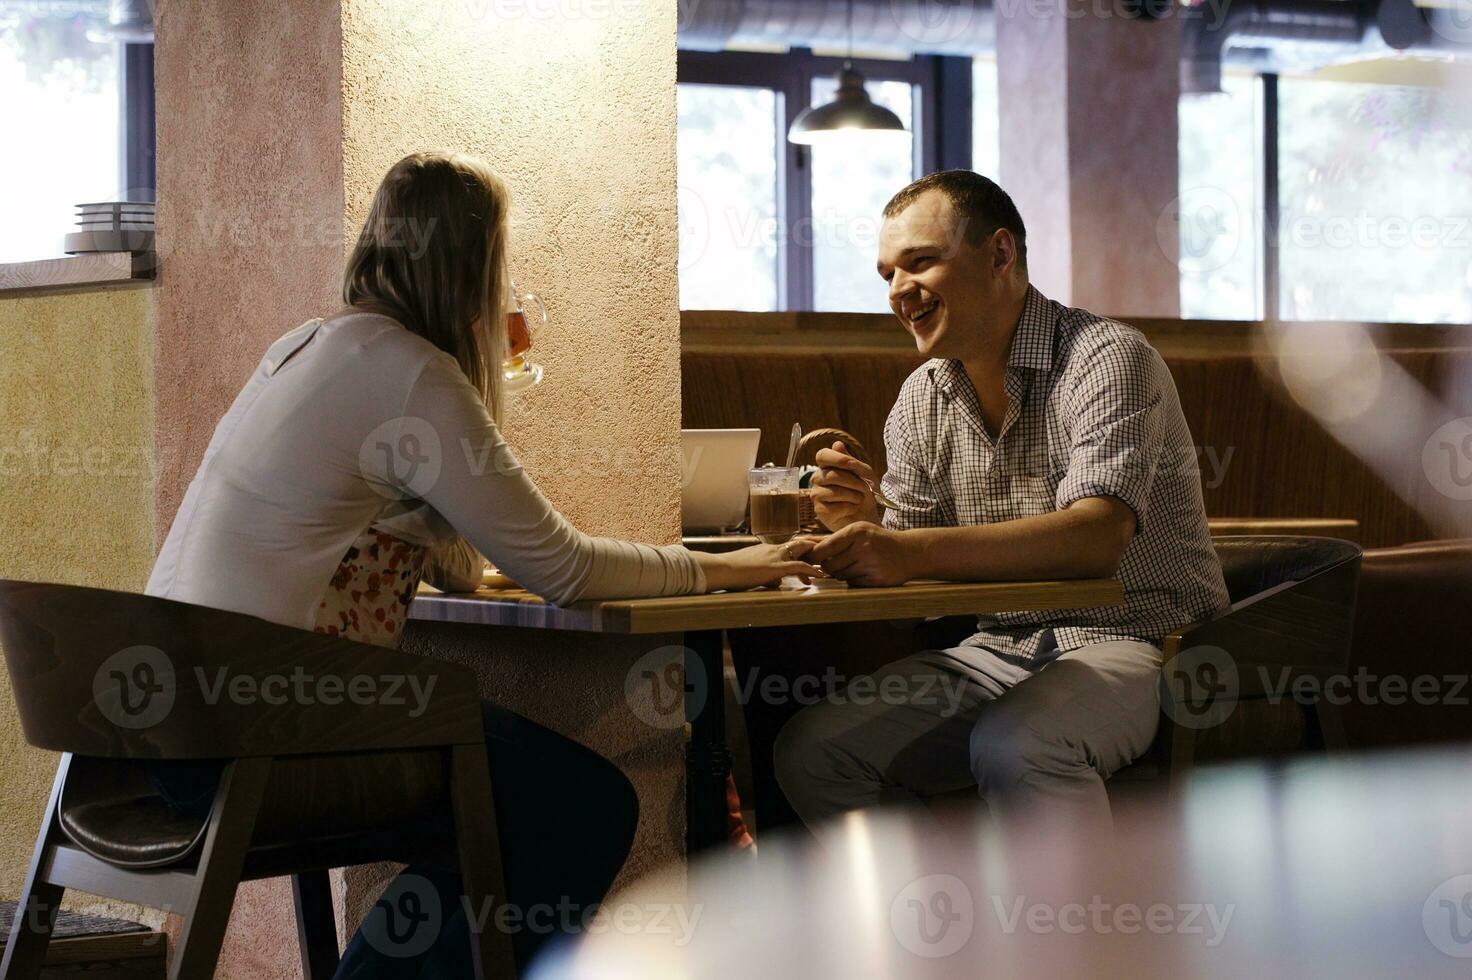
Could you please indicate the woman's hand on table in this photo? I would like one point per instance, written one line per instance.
(756, 566)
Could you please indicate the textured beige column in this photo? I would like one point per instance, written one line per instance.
(1088, 143)
(250, 204)
(276, 121)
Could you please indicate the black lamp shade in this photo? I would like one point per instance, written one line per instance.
(850, 111)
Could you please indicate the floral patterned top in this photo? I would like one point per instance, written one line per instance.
(369, 595)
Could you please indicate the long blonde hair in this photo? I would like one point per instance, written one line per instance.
(432, 255)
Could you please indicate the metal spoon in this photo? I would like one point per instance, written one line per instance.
(879, 496)
(792, 444)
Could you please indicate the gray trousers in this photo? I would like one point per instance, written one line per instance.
(1034, 738)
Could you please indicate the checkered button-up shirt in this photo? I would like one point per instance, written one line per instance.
(1092, 412)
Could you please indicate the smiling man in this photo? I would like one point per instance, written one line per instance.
(1038, 442)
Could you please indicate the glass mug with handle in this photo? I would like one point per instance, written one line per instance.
(776, 503)
(528, 316)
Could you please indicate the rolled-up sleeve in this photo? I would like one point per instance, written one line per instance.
(1116, 431)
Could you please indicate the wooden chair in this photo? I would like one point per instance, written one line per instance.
(1227, 683)
(111, 679)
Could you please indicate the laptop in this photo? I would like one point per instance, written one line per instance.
(713, 477)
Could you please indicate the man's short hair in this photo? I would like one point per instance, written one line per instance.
(982, 205)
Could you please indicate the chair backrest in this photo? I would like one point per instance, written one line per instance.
(119, 675)
(1411, 627)
(1292, 605)
(1252, 564)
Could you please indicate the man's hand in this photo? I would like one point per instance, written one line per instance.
(863, 553)
(840, 495)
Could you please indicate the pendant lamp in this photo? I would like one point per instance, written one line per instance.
(851, 114)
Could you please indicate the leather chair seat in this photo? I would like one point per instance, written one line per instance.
(132, 831)
(1256, 563)
(110, 809)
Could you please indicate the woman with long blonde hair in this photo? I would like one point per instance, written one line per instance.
(364, 455)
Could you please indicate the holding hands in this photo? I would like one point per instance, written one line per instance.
(859, 551)
(862, 553)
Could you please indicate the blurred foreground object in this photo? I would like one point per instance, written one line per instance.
(1346, 868)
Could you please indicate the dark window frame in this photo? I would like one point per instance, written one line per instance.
(1271, 281)
(139, 150)
(942, 129)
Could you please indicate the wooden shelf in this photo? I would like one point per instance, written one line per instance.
(74, 272)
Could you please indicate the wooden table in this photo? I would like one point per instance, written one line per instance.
(1354, 867)
(703, 618)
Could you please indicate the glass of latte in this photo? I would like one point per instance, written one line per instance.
(775, 503)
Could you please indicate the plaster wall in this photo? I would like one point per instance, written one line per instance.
(249, 111)
(577, 112)
(76, 452)
(1032, 103)
(1123, 92)
(1088, 115)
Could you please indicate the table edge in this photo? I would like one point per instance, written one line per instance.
(656, 615)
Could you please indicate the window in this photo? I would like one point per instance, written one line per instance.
(61, 121)
(1218, 230)
(1372, 189)
(767, 225)
(1375, 191)
(849, 193)
(727, 160)
(986, 143)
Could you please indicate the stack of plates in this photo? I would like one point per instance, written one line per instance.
(112, 226)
